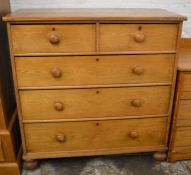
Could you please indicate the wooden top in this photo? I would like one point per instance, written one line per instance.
(93, 14)
(184, 61)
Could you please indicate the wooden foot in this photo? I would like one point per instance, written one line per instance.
(31, 164)
(160, 156)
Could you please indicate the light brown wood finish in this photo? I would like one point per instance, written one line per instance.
(181, 125)
(72, 38)
(9, 137)
(156, 37)
(152, 37)
(79, 135)
(78, 103)
(94, 70)
(110, 14)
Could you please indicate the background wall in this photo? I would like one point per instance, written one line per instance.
(180, 6)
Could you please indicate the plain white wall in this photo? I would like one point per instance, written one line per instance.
(179, 6)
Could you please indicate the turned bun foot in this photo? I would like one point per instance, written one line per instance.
(160, 156)
(31, 164)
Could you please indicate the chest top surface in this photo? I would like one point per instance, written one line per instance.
(68, 14)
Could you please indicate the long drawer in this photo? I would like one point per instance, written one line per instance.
(91, 70)
(92, 135)
(138, 37)
(82, 38)
(98, 102)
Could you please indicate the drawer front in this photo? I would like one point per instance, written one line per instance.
(138, 37)
(69, 136)
(186, 88)
(183, 137)
(91, 70)
(184, 113)
(99, 102)
(2, 158)
(53, 38)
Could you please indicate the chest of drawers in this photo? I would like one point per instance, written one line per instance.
(180, 144)
(94, 81)
(10, 142)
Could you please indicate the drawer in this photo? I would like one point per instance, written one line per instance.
(184, 113)
(7, 153)
(91, 70)
(186, 87)
(183, 137)
(138, 37)
(53, 38)
(92, 135)
(98, 102)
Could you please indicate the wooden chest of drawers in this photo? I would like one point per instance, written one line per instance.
(94, 81)
(10, 142)
(180, 143)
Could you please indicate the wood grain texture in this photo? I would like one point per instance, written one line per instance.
(110, 96)
(179, 147)
(72, 38)
(98, 133)
(68, 14)
(94, 70)
(8, 147)
(157, 37)
(99, 102)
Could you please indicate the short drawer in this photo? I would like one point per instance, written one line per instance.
(53, 38)
(91, 70)
(183, 137)
(138, 37)
(92, 135)
(98, 102)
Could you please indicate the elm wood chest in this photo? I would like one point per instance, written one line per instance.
(10, 141)
(94, 81)
(180, 143)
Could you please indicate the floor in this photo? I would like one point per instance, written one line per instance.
(142, 164)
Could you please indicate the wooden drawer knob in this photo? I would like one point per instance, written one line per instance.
(139, 38)
(138, 70)
(133, 134)
(60, 138)
(53, 38)
(56, 72)
(59, 106)
(136, 103)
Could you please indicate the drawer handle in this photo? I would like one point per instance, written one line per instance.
(138, 70)
(133, 134)
(60, 138)
(136, 103)
(59, 106)
(53, 38)
(139, 38)
(56, 72)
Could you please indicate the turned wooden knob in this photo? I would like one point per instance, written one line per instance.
(138, 70)
(136, 103)
(59, 106)
(56, 72)
(53, 38)
(60, 138)
(139, 37)
(133, 134)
